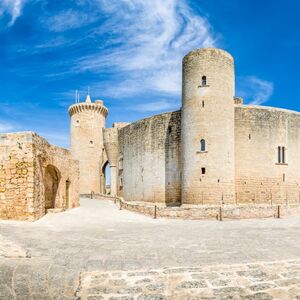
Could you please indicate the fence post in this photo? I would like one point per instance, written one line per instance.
(155, 212)
(120, 204)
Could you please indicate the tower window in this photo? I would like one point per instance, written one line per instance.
(204, 81)
(281, 152)
(91, 143)
(203, 171)
(202, 145)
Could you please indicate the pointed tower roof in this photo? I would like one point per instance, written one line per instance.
(88, 99)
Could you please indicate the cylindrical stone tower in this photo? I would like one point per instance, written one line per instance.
(207, 130)
(87, 123)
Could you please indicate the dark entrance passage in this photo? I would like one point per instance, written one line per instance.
(51, 182)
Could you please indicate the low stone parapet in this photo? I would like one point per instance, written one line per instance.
(202, 212)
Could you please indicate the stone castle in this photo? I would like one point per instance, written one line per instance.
(213, 152)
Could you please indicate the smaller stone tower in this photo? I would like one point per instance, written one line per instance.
(87, 124)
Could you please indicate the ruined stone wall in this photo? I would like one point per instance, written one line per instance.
(24, 158)
(149, 160)
(17, 177)
(68, 174)
(259, 177)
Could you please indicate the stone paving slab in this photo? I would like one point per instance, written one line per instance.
(8, 249)
(264, 281)
(44, 259)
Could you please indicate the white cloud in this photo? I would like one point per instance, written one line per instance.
(256, 90)
(61, 139)
(154, 106)
(5, 127)
(144, 42)
(13, 8)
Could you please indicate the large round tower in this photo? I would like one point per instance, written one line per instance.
(87, 123)
(207, 130)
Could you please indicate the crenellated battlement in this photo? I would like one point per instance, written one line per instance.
(97, 107)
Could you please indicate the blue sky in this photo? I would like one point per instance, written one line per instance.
(129, 53)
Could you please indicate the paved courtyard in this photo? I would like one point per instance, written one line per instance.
(99, 252)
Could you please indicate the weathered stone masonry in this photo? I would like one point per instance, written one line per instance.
(35, 176)
(150, 159)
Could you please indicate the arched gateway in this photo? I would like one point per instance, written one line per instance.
(51, 181)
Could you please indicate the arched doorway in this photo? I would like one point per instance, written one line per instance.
(105, 178)
(51, 182)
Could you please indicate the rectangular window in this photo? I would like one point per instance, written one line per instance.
(279, 155)
(203, 171)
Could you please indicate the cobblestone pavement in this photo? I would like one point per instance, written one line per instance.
(66, 255)
(279, 280)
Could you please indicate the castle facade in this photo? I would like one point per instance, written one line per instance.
(212, 151)
(213, 157)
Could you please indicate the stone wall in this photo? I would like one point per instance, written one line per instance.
(149, 163)
(149, 160)
(111, 146)
(259, 177)
(31, 169)
(203, 212)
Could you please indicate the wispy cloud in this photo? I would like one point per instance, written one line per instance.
(59, 138)
(256, 91)
(68, 19)
(154, 106)
(5, 127)
(11, 7)
(145, 44)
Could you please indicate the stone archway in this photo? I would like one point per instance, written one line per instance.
(104, 179)
(51, 182)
